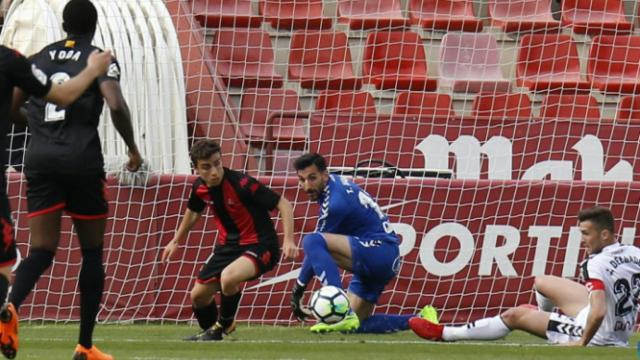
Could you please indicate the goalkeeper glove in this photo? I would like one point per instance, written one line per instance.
(300, 312)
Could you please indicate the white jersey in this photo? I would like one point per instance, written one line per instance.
(617, 268)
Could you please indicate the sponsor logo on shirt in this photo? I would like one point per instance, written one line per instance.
(114, 71)
(39, 74)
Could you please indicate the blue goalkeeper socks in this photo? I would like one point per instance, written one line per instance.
(317, 256)
(384, 324)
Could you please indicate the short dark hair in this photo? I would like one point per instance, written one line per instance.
(203, 149)
(309, 159)
(599, 216)
(79, 17)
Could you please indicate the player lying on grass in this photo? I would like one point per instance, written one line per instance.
(603, 311)
(353, 234)
(247, 244)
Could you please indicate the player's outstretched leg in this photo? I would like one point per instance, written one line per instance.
(349, 324)
(93, 353)
(426, 329)
(9, 331)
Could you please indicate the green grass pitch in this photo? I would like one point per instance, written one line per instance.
(163, 342)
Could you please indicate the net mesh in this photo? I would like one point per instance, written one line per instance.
(528, 106)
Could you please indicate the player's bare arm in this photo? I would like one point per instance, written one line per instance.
(597, 312)
(188, 220)
(289, 247)
(66, 93)
(121, 117)
(18, 115)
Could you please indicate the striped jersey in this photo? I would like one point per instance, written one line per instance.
(240, 205)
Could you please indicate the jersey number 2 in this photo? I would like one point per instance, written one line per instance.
(630, 292)
(51, 111)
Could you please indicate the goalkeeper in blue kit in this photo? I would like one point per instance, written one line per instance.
(353, 234)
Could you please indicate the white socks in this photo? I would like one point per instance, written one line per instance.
(483, 329)
(544, 304)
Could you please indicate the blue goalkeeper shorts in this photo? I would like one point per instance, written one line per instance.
(375, 262)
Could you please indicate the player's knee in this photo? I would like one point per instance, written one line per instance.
(540, 283)
(199, 299)
(312, 241)
(513, 316)
(229, 283)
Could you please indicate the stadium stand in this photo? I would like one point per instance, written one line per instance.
(321, 60)
(444, 15)
(245, 58)
(349, 102)
(371, 14)
(225, 13)
(522, 15)
(570, 106)
(423, 104)
(271, 115)
(614, 64)
(549, 62)
(595, 17)
(294, 14)
(502, 106)
(396, 60)
(470, 62)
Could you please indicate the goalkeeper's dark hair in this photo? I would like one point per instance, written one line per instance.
(309, 159)
(203, 150)
(79, 17)
(599, 216)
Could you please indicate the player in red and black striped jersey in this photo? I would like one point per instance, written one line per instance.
(65, 169)
(247, 245)
(18, 73)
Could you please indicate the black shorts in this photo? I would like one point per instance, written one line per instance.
(264, 257)
(81, 196)
(8, 253)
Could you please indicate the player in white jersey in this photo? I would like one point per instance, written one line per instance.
(603, 311)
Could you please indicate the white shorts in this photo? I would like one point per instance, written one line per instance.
(563, 329)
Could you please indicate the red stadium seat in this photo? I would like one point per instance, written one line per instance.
(569, 106)
(595, 17)
(549, 62)
(352, 102)
(245, 58)
(294, 14)
(614, 64)
(628, 109)
(444, 15)
(470, 62)
(424, 104)
(225, 13)
(269, 114)
(371, 14)
(322, 60)
(396, 60)
(522, 15)
(502, 106)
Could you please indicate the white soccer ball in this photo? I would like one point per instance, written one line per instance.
(329, 304)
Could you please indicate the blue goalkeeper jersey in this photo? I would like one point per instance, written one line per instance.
(348, 210)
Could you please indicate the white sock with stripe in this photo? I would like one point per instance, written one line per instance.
(484, 329)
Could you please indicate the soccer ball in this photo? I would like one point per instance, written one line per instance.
(330, 304)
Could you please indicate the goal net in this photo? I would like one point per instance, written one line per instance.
(481, 127)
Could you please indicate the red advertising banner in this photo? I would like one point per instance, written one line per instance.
(471, 248)
(556, 149)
